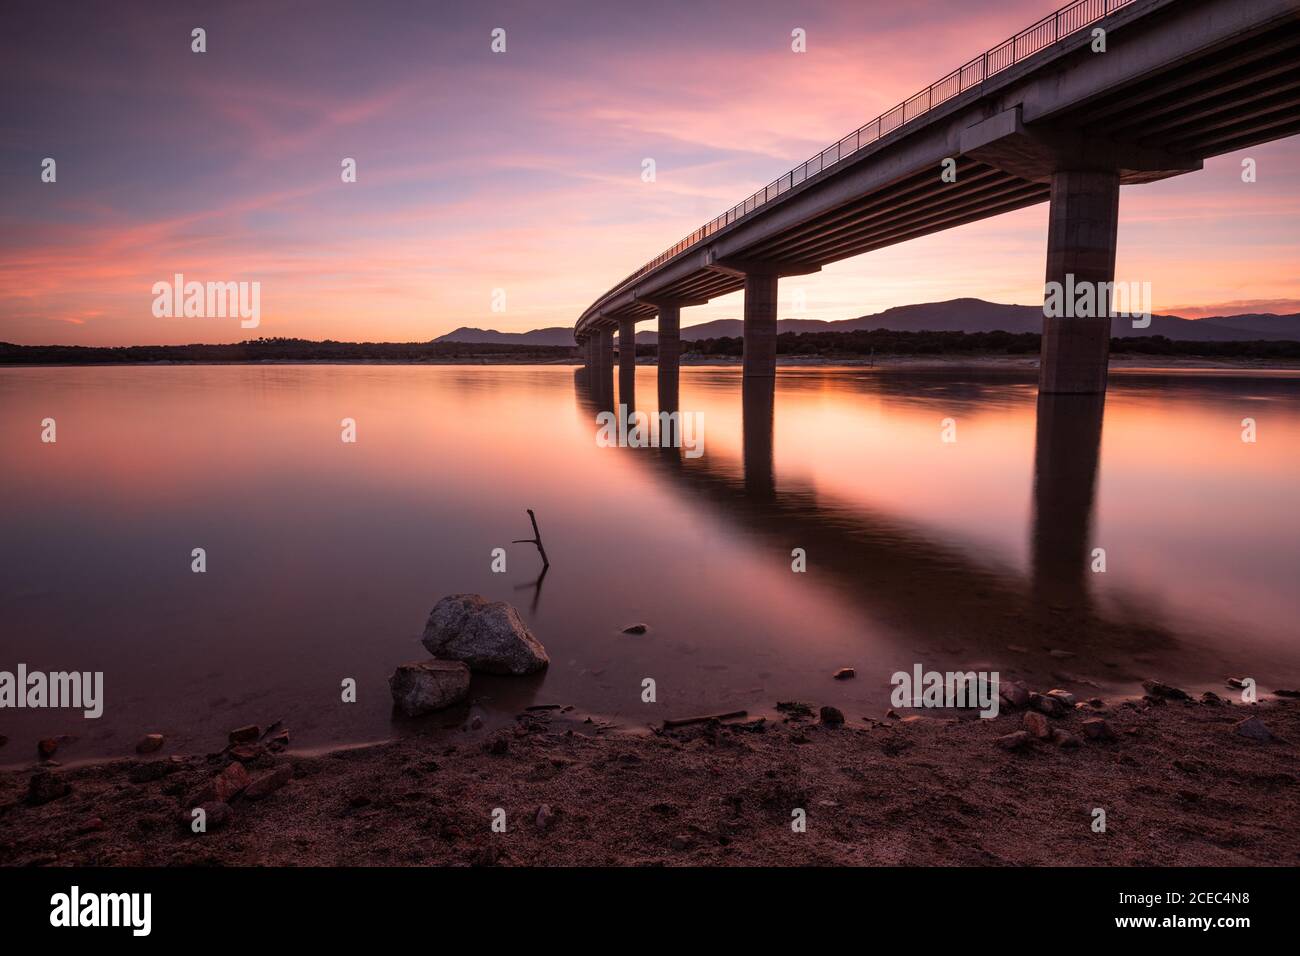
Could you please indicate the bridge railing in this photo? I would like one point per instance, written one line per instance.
(1053, 27)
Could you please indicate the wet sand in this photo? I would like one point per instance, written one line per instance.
(1179, 785)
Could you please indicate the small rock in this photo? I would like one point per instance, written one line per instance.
(1050, 706)
(487, 636)
(1061, 655)
(1015, 693)
(149, 743)
(1096, 703)
(1016, 740)
(544, 817)
(246, 753)
(635, 629)
(1213, 699)
(476, 723)
(1065, 740)
(1036, 724)
(1065, 697)
(268, 783)
(1253, 728)
(46, 786)
(831, 716)
(1287, 693)
(892, 714)
(845, 673)
(91, 825)
(1236, 683)
(421, 687)
(499, 745)
(225, 786)
(244, 735)
(681, 842)
(47, 747)
(1096, 728)
(1160, 689)
(278, 742)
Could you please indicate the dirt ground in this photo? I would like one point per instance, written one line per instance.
(1178, 784)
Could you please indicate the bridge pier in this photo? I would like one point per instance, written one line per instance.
(669, 360)
(760, 324)
(627, 363)
(1082, 224)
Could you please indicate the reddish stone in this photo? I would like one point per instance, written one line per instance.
(268, 783)
(244, 735)
(149, 743)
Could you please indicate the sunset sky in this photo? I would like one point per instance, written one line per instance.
(519, 171)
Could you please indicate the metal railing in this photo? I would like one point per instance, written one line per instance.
(1053, 27)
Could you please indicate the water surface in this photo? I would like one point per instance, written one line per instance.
(324, 558)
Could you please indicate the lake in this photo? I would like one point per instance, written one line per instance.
(323, 558)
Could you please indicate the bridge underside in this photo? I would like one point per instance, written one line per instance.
(1180, 82)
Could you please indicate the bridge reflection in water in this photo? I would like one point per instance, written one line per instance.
(917, 579)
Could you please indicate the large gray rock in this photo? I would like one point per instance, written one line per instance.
(489, 636)
(422, 687)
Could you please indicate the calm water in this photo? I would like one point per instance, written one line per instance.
(324, 558)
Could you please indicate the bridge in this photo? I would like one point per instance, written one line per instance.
(1060, 113)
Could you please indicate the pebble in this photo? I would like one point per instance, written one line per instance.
(845, 673)
(244, 735)
(544, 816)
(831, 716)
(268, 783)
(1065, 740)
(1016, 740)
(1036, 724)
(1096, 728)
(635, 629)
(149, 743)
(1065, 697)
(47, 747)
(1160, 689)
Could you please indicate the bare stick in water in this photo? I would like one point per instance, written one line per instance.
(535, 539)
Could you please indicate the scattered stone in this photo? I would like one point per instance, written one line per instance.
(794, 708)
(1096, 728)
(46, 786)
(1015, 693)
(544, 817)
(1213, 699)
(1096, 703)
(91, 825)
(225, 786)
(845, 673)
(1065, 740)
(1287, 693)
(1016, 740)
(149, 743)
(1236, 683)
(279, 742)
(1061, 655)
(1065, 697)
(498, 745)
(681, 842)
(1036, 724)
(487, 636)
(1253, 728)
(246, 753)
(268, 783)
(244, 735)
(422, 687)
(1050, 706)
(892, 714)
(476, 723)
(1160, 689)
(47, 747)
(831, 716)
(635, 629)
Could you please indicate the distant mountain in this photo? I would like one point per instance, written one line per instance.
(955, 315)
(556, 335)
(976, 315)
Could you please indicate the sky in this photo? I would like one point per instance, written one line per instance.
(518, 171)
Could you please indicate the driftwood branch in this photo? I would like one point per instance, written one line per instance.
(535, 539)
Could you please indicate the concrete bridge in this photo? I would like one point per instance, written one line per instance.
(1042, 117)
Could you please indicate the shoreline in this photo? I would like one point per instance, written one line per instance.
(1122, 362)
(1179, 783)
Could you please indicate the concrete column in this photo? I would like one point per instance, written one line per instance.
(758, 403)
(627, 363)
(670, 351)
(760, 325)
(1081, 231)
(605, 368)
